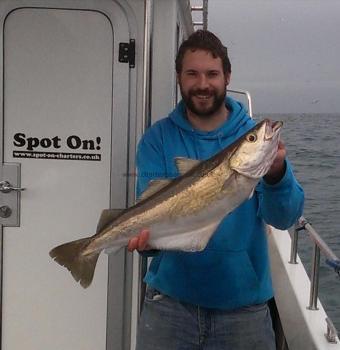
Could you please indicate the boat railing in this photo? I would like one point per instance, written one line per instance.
(320, 246)
(247, 96)
(204, 10)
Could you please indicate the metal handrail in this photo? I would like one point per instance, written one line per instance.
(319, 246)
(204, 9)
(248, 97)
(331, 260)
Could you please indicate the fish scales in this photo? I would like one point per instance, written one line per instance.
(200, 194)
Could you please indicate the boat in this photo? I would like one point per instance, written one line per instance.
(81, 81)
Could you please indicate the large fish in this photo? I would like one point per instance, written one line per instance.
(182, 213)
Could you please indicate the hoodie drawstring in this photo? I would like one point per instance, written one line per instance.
(195, 144)
(219, 137)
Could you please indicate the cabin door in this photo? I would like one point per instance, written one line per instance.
(65, 142)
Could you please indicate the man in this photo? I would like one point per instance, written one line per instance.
(217, 298)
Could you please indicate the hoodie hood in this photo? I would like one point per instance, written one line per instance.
(238, 117)
(200, 144)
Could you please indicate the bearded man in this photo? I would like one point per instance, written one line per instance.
(217, 298)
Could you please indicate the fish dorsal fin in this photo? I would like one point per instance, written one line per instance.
(154, 186)
(107, 216)
(185, 164)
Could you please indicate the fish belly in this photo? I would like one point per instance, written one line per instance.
(192, 232)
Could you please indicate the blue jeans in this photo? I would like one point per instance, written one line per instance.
(167, 324)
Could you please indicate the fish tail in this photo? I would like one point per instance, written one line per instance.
(81, 266)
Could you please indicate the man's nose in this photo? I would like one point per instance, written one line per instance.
(203, 81)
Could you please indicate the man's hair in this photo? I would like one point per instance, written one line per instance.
(203, 40)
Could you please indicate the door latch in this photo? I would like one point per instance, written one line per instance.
(6, 187)
(10, 194)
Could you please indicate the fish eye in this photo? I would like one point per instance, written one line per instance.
(251, 138)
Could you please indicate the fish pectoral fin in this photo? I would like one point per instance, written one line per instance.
(228, 182)
(107, 216)
(185, 164)
(154, 186)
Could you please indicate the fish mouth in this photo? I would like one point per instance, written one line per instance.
(257, 166)
(272, 129)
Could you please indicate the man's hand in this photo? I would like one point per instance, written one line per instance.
(139, 242)
(278, 168)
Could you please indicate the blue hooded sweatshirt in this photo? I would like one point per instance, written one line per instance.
(233, 270)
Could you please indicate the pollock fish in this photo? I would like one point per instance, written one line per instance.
(181, 213)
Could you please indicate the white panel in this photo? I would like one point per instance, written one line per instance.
(163, 67)
(57, 83)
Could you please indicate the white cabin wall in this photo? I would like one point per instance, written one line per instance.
(163, 79)
(168, 15)
(137, 9)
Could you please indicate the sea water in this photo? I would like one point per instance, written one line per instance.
(313, 147)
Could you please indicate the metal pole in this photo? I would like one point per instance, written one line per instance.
(204, 10)
(147, 49)
(205, 14)
(332, 332)
(314, 286)
(248, 97)
(294, 245)
(320, 242)
(1, 275)
(147, 46)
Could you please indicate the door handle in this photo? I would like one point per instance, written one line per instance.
(6, 187)
(10, 198)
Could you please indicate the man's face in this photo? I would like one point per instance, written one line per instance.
(202, 83)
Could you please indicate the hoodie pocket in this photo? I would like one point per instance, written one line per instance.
(215, 279)
(239, 271)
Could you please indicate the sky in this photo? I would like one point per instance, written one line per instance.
(286, 53)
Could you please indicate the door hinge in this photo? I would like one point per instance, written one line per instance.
(127, 53)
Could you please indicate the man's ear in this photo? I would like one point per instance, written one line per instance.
(227, 77)
(177, 78)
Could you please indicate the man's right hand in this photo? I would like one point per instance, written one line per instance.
(139, 242)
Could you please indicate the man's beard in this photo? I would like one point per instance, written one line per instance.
(202, 112)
